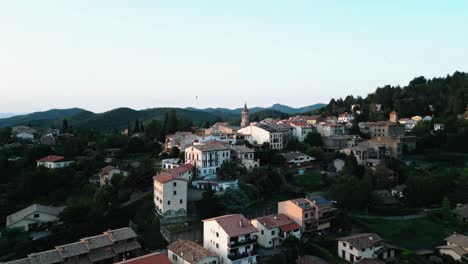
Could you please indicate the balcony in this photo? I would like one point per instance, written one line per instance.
(237, 256)
(250, 240)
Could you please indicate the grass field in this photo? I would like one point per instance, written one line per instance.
(411, 234)
(310, 182)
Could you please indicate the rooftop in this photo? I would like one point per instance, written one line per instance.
(275, 221)
(164, 177)
(190, 251)
(293, 155)
(211, 146)
(35, 208)
(121, 234)
(362, 241)
(51, 158)
(153, 258)
(458, 239)
(234, 225)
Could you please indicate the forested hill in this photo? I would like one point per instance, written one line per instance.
(448, 97)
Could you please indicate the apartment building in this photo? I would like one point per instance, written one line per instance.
(386, 129)
(110, 247)
(311, 214)
(330, 129)
(336, 143)
(260, 133)
(180, 140)
(189, 252)
(170, 194)
(232, 238)
(207, 157)
(244, 155)
(273, 229)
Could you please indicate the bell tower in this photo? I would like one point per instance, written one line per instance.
(245, 116)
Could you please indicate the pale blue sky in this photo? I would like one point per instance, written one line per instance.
(103, 54)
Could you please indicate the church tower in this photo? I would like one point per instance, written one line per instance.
(245, 116)
(394, 117)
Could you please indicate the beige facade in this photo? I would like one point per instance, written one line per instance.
(170, 195)
(273, 229)
(386, 129)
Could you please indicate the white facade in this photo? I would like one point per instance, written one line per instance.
(33, 216)
(274, 236)
(301, 132)
(25, 136)
(327, 130)
(216, 240)
(170, 195)
(364, 246)
(258, 136)
(54, 165)
(345, 118)
(207, 157)
(169, 164)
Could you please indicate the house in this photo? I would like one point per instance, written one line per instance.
(439, 127)
(299, 127)
(273, 229)
(263, 132)
(53, 162)
(330, 129)
(355, 248)
(188, 252)
(361, 152)
(180, 140)
(457, 247)
(299, 161)
(417, 118)
(207, 157)
(336, 143)
(221, 128)
(216, 185)
(345, 117)
(25, 136)
(375, 148)
(408, 122)
(170, 194)
(232, 238)
(399, 191)
(110, 247)
(461, 212)
(308, 259)
(244, 155)
(311, 214)
(153, 258)
(48, 139)
(34, 216)
(231, 140)
(427, 118)
(314, 120)
(106, 174)
(169, 164)
(384, 199)
(386, 129)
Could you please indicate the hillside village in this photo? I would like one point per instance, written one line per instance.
(311, 188)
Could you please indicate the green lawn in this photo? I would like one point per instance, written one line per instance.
(411, 234)
(310, 182)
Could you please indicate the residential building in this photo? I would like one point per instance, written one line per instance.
(152, 258)
(345, 118)
(311, 214)
(399, 191)
(386, 129)
(215, 184)
(180, 140)
(228, 139)
(336, 143)
(110, 247)
(364, 246)
(221, 128)
(300, 130)
(188, 252)
(169, 164)
(427, 118)
(34, 216)
(314, 120)
(244, 155)
(170, 195)
(439, 127)
(48, 139)
(330, 129)
(232, 238)
(394, 145)
(260, 133)
(245, 116)
(299, 162)
(408, 122)
(25, 136)
(273, 229)
(207, 157)
(308, 259)
(457, 247)
(53, 162)
(364, 127)
(106, 174)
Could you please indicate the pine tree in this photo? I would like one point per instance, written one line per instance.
(65, 126)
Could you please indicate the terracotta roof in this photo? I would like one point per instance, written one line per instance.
(212, 145)
(181, 169)
(361, 241)
(121, 234)
(190, 251)
(458, 239)
(51, 158)
(234, 224)
(308, 259)
(107, 169)
(164, 177)
(153, 258)
(275, 220)
(290, 227)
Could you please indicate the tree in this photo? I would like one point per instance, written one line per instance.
(174, 153)
(314, 139)
(136, 128)
(235, 201)
(172, 122)
(65, 126)
(227, 170)
(351, 193)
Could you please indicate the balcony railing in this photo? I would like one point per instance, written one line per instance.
(250, 240)
(243, 255)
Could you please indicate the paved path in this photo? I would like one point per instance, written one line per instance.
(136, 197)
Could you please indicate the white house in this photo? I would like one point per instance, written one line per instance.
(189, 252)
(438, 127)
(232, 238)
(25, 136)
(244, 155)
(329, 129)
(457, 247)
(207, 157)
(33, 216)
(364, 246)
(53, 162)
(260, 133)
(398, 191)
(300, 129)
(106, 174)
(345, 117)
(170, 195)
(168, 164)
(273, 229)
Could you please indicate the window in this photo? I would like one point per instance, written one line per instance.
(217, 234)
(175, 184)
(306, 215)
(36, 215)
(350, 247)
(272, 232)
(181, 201)
(343, 254)
(262, 232)
(174, 257)
(217, 245)
(168, 202)
(175, 192)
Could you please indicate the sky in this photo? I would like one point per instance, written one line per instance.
(104, 54)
